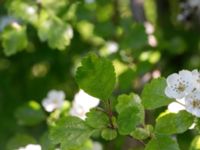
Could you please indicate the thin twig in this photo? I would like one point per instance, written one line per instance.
(110, 114)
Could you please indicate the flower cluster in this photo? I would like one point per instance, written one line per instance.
(54, 100)
(185, 88)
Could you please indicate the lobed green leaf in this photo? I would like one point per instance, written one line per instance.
(70, 132)
(153, 95)
(97, 119)
(131, 113)
(128, 119)
(14, 39)
(109, 134)
(162, 142)
(172, 123)
(96, 76)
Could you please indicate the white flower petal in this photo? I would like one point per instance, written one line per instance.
(169, 92)
(31, 147)
(82, 104)
(61, 95)
(192, 103)
(187, 79)
(173, 94)
(182, 100)
(173, 78)
(175, 107)
(185, 73)
(52, 93)
(85, 100)
(78, 112)
(196, 78)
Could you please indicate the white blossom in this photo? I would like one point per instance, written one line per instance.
(82, 104)
(179, 85)
(31, 147)
(112, 47)
(192, 103)
(149, 28)
(54, 100)
(185, 88)
(30, 10)
(152, 40)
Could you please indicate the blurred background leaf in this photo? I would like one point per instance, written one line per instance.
(42, 42)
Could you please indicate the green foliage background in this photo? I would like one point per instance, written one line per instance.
(38, 53)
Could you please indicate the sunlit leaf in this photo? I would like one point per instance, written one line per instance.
(96, 76)
(195, 145)
(171, 123)
(57, 33)
(131, 113)
(14, 39)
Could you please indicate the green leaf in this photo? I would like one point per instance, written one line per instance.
(58, 38)
(109, 134)
(20, 140)
(70, 132)
(162, 142)
(153, 95)
(97, 119)
(171, 123)
(14, 39)
(131, 112)
(124, 101)
(197, 124)
(195, 143)
(128, 119)
(87, 145)
(96, 76)
(30, 114)
(142, 133)
(46, 143)
(25, 10)
(134, 37)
